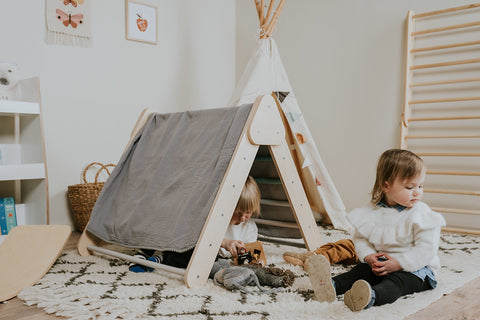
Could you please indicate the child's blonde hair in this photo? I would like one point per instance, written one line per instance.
(249, 198)
(395, 164)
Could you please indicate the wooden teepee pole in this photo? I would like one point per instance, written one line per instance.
(257, 5)
(269, 11)
(262, 5)
(267, 24)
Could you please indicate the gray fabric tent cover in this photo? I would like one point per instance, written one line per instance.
(161, 191)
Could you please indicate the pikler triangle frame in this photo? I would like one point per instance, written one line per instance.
(264, 126)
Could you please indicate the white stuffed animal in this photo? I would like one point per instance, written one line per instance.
(8, 81)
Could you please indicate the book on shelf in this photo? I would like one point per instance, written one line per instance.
(3, 220)
(8, 217)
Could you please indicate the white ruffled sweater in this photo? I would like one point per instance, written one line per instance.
(411, 236)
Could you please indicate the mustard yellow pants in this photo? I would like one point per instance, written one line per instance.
(341, 251)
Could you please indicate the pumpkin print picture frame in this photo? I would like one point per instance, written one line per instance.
(141, 22)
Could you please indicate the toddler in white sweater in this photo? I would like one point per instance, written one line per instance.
(396, 238)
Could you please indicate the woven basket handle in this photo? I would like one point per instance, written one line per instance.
(102, 167)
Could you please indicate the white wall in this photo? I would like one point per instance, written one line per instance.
(91, 97)
(345, 61)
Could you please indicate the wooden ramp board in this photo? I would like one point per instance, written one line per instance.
(26, 254)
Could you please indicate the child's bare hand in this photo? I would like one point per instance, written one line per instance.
(383, 268)
(232, 246)
(372, 258)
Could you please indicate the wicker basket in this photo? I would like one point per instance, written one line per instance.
(82, 197)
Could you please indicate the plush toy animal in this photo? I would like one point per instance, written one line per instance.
(237, 278)
(271, 276)
(8, 81)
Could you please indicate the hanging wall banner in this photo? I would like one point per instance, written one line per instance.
(69, 22)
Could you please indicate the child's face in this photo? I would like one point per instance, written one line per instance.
(240, 216)
(407, 192)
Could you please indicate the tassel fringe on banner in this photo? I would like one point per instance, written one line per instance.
(54, 37)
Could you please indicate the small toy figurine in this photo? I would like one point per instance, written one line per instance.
(256, 257)
(244, 256)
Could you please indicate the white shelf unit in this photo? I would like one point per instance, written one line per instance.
(23, 167)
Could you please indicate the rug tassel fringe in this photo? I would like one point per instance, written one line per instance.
(66, 305)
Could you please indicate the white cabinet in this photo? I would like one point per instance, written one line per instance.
(23, 168)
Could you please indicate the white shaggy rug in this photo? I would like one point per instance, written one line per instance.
(99, 287)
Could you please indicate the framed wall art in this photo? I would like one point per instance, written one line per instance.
(141, 22)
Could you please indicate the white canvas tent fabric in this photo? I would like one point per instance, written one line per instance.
(265, 74)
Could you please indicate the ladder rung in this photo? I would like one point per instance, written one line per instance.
(441, 137)
(452, 210)
(437, 12)
(444, 100)
(444, 64)
(451, 191)
(271, 181)
(448, 154)
(446, 46)
(275, 223)
(436, 83)
(444, 118)
(143, 262)
(452, 27)
(454, 173)
(291, 243)
(277, 203)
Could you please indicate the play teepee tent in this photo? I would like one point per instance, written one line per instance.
(265, 74)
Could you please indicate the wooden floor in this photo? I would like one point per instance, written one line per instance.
(462, 304)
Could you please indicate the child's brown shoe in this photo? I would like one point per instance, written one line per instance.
(321, 279)
(297, 259)
(359, 295)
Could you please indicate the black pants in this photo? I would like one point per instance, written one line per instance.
(174, 259)
(387, 288)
